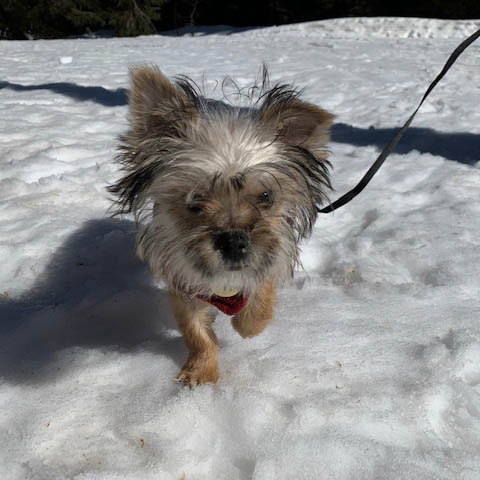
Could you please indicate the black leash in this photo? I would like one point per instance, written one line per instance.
(393, 142)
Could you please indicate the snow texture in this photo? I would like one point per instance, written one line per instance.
(371, 367)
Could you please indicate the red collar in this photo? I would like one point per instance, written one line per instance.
(228, 305)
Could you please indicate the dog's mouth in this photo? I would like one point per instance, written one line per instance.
(236, 267)
(203, 266)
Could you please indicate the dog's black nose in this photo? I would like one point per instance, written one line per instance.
(232, 245)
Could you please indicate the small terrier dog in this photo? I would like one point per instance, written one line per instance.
(223, 194)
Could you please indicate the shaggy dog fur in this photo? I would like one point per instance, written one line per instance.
(223, 195)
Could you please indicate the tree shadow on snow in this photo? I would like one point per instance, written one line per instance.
(103, 96)
(459, 147)
(94, 293)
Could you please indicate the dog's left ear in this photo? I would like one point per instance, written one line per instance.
(296, 122)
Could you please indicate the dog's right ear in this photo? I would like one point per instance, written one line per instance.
(155, 101)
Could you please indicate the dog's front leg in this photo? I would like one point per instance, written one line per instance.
(195, 319)
(253, 319)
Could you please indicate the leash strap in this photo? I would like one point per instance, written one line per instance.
(393, 142)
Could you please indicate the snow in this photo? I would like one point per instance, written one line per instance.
(371, 367)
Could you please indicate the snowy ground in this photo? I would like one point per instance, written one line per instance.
(371, 368)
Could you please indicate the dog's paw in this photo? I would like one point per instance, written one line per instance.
(198, 370)
(246, 327)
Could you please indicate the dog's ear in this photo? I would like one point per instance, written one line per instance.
(155, 101)
(296, 122)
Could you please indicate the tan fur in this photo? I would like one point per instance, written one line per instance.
(300, 123)
(198, 169)
(153, 97)
(258, 313)
(195, 319)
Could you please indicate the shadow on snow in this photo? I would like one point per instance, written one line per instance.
(93, 293)
(81, 93)
(460, 147)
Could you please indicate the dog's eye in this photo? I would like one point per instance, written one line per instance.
(194, 208)
(266, 199)
(195, 204)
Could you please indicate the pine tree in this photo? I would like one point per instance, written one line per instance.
(135, 17)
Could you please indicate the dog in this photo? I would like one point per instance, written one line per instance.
(223, 195)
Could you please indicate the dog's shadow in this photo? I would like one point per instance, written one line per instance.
(93, 294)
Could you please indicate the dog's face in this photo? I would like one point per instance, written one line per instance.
(224, 193)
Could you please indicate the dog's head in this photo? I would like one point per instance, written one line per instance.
(224, 193)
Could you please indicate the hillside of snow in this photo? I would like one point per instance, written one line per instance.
(371, 366)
